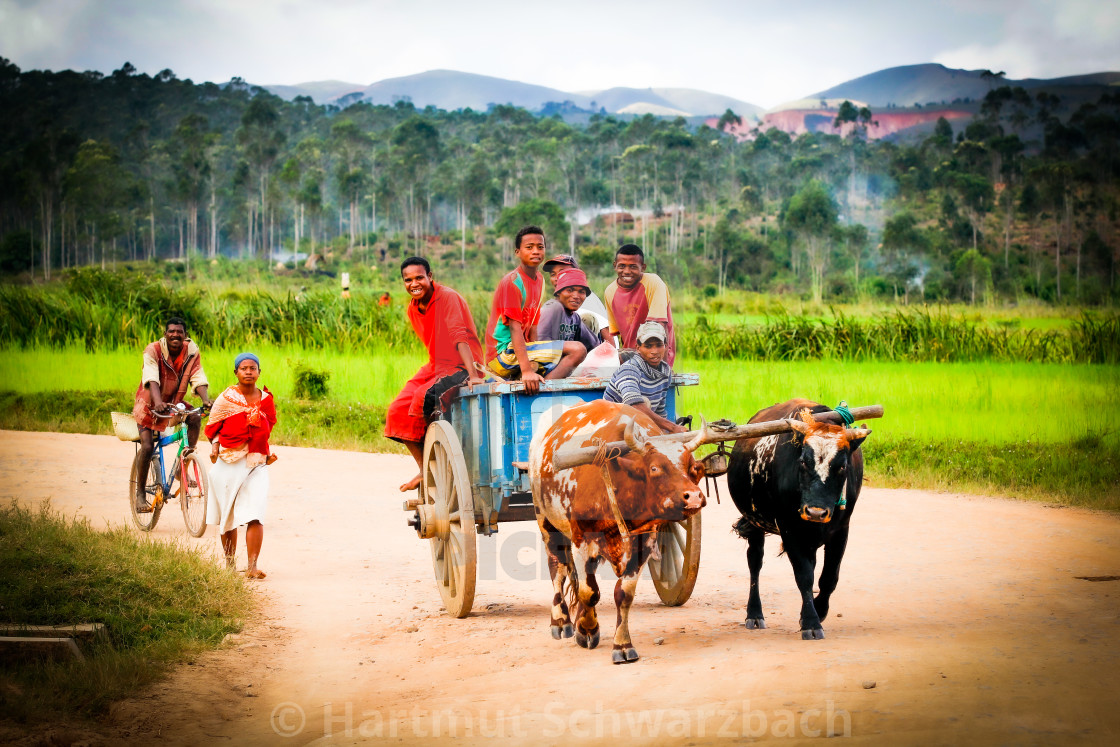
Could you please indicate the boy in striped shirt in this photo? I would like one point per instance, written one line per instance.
(643, 381)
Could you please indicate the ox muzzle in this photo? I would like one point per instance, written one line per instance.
(816, 514)
(694, 500)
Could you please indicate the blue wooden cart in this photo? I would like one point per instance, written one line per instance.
(475, 476)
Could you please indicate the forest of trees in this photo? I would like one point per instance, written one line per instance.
(125, 167)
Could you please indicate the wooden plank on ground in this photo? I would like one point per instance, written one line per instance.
(85, 631)
(26, 648)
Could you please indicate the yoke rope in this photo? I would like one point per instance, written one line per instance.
(846, 416)
(602, 456)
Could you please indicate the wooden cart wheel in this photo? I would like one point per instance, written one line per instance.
(446, 503)
(674, 576)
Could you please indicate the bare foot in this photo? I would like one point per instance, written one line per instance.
(255, 574)
(411, 484)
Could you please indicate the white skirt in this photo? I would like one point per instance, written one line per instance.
(236, 496)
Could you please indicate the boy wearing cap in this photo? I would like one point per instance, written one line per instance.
(561, 320)
(513, 349)
(637, 297)
(643, 381)
(593, 312)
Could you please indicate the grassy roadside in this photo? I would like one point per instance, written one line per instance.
(160, 602)
(322, 424)
(1082, 471)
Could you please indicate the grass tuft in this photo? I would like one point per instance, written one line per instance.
(161, 602)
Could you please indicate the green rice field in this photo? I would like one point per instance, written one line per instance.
(1032, 430)
(987, 402)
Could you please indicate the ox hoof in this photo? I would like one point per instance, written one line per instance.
(755, 623)
(587, 641)
(812, 635)
(562, 632)
(624, 655)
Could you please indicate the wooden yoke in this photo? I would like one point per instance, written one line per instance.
(709, 433)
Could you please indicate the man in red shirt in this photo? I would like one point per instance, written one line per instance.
(512, 348)
(637, 297)
(442, 320)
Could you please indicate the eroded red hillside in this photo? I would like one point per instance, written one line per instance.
(800, 121)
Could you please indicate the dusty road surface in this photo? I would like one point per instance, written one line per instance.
(957, 619)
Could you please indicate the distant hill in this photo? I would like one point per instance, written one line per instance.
(936, 84)
(321, 92)
(616, 99)
(686, 102)
(702, 102)
(954, 93)
(449, 89)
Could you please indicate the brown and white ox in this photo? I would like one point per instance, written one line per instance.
(653, 484)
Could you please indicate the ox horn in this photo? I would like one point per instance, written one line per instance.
(701, 436)
(798, 425)
(632, 440)
(854, 433)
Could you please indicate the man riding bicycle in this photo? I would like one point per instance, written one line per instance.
(172, 365)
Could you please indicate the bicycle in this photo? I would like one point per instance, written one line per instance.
(187, 479)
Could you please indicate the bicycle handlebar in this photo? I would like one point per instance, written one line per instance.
(180, 409)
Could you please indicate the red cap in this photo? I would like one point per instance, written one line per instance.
(572, 277)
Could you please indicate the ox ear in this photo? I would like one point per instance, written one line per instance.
(633, 466)
(696, 472)
(856, 436)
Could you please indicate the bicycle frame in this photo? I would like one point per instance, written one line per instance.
(166, 476)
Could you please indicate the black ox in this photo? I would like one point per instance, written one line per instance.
(802, 486)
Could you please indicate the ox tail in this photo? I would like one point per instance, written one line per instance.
(742, 527)
(571, 594)
(747, 523)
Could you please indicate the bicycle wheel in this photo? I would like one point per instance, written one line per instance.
(153, 495)
(194, 486)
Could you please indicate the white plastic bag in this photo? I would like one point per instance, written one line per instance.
(601, 362)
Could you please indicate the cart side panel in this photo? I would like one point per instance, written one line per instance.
(529, 415)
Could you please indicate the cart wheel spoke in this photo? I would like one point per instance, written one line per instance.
(447, 489)
(674, 576)
(679, 535)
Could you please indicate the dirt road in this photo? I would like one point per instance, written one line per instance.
(957, 618)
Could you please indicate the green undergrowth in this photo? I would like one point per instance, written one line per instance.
(161, 603)
(99, 310)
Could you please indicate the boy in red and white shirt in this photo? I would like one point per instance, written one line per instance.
(512, 348)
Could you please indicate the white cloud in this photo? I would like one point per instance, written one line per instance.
(1044, 39)
(756, 50)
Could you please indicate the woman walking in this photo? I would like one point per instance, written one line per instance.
(239, 427)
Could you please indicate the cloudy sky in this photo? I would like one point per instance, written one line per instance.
(761, 52)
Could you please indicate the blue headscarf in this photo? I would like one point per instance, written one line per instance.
(245, 357)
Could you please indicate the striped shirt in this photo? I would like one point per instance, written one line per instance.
(636, 382)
